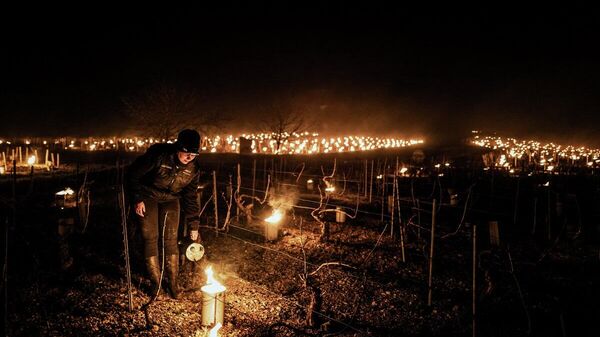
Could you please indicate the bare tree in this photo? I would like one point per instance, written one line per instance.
(162, 111)
(282, 121)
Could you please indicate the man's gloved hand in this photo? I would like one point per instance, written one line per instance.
(193, 226)
(194, 235)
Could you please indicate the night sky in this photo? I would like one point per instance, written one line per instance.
(436, 72)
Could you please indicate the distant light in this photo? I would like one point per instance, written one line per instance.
(66, 191)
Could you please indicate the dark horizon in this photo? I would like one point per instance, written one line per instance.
(404, 72)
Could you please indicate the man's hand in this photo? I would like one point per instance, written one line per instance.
(140, 209)
(194, 235)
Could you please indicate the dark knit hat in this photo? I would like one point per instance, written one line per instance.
(188, 141)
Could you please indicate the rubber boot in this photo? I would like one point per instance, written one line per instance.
(153, 269)
(172, 275)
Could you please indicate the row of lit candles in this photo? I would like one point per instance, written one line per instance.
(295, 143)
(548, 155)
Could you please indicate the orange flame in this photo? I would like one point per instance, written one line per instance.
(275, 217)
(212, 285)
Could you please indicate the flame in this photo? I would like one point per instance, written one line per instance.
(329, 187)
(214, 332)
(212, 285)
(66, 191)
(31, 160)
(275, 217)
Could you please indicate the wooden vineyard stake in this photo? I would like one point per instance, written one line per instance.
(494, 233)
(431, 252)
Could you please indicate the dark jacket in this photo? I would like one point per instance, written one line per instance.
(159, 175)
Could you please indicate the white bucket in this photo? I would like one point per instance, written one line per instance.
(213, 306)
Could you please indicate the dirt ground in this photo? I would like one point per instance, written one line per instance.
(357, 284)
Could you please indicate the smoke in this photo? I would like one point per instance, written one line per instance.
(283, 198)
(337, 110)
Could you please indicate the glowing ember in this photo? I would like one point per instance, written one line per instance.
(275, 217)
(31, 160)
(212, 285)
(214, 332)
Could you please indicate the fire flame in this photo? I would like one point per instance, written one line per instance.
(275, 217)
(329, 187)
(214, 332)
(66, 191)
(212, 285)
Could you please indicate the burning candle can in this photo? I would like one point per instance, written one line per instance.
(309, 185)
(453, 199)
(340, 216)
(213, 304)
(271, 231)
